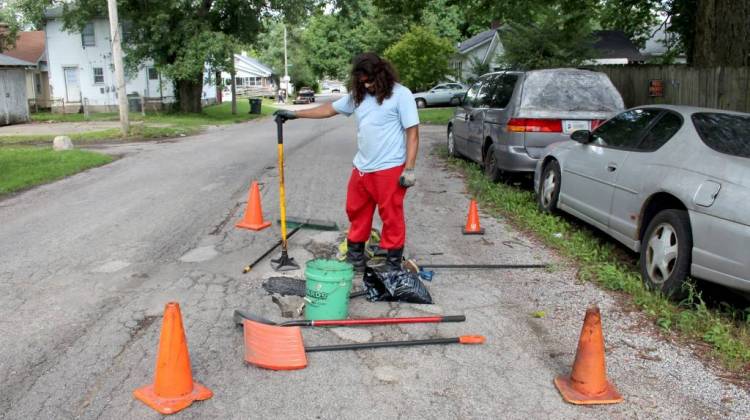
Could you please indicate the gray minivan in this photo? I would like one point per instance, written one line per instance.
(507, 118)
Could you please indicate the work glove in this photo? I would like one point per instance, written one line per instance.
(408, 178)
(285, 114)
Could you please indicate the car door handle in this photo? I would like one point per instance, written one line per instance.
(611, 167)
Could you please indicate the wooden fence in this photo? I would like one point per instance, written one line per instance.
(717, 87)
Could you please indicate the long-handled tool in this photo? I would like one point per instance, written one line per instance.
(270, 250)
(284, 262)
(240, 316)
(487, 266)
(282, 348)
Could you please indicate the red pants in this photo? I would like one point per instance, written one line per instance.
(381, 189)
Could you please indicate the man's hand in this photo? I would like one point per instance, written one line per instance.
(285, 114)
(408, 178)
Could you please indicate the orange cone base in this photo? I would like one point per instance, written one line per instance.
(569, 394)
(166, 405)
(473, 232)
(244, 225)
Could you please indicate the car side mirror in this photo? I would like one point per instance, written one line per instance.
(582, 136)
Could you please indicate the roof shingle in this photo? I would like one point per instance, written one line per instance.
(29, 47)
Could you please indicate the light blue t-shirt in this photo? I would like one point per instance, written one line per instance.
(381, 129)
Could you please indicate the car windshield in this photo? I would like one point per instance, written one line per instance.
(725, 133)
(569, 90)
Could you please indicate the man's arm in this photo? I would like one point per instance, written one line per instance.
(412, 146)
(323, 111)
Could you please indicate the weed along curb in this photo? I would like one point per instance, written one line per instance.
(727, 333)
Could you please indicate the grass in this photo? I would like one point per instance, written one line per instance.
(725, 329)
(435, 115)
(152, 126)
(25, 167)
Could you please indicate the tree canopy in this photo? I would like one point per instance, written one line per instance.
(421, 58)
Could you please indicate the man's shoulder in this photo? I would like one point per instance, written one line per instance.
(399, 89)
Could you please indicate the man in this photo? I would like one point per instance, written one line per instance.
(387, 140)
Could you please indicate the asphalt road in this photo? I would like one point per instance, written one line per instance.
(88, 263)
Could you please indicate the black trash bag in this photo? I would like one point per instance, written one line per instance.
(390, 286)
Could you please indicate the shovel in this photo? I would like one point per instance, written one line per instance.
(282, 348)
(240, 316)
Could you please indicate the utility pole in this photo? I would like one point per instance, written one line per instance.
(114, 30)
(286, 74)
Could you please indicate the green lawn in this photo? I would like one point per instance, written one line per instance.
(724, 329)
(439, 116)
(152, 126)
(25, 167)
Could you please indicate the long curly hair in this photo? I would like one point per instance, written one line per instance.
(378, 71)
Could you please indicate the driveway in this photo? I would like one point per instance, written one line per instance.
(89, 262)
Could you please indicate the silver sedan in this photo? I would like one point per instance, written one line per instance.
(669, 182)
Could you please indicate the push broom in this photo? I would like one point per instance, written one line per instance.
(281, 348)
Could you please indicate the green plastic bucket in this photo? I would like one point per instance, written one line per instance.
(328, 283)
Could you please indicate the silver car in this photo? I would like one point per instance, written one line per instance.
(508, 118)
(670, 182)
(442, 94)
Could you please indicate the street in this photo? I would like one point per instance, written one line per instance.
(88, 263)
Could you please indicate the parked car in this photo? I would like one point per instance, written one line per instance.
(670, 182)
(507, 118)
(442, 94)
(305, 96)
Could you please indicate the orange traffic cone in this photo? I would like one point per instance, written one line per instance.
(472, 221)
(588, 383)
(253, 218)
(173, 388)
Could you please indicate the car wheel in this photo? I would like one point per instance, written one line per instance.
(421, 103)
(549, 187)
(451, 144)
(490, 165)
(454, 101)
(666, 252)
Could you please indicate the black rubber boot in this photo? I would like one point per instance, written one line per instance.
(394, 259)
(355, 255)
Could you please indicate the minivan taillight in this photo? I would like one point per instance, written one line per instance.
(523, 125)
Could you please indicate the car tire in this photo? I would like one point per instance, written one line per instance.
(491, 170)
(451, 143)
(666, 251)
(454, 101)
(421, 103)
(549, 187)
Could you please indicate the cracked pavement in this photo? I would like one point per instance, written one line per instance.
(88, 263)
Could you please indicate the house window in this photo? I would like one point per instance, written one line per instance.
(240, 81)
(153, 74)
(88, 38)
(98, 75)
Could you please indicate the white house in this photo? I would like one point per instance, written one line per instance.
(81, 70)
(252, 78)
(610, 47)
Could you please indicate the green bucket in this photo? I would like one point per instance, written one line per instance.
(328, 283)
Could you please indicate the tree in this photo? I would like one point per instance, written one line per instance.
(421, 58)
(720, 31)
(551, 37)
(8, 16)
(636, 18)
(183, 39)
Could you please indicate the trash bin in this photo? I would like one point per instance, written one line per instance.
(254, 105)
